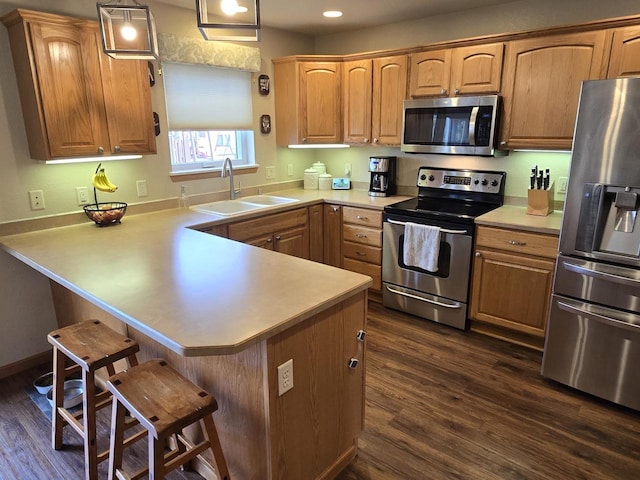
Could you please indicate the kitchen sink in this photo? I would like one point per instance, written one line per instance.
(247, 204)
(268, 200)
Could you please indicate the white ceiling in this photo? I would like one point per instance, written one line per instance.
(305, 16)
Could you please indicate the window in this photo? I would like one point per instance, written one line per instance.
(209, 116)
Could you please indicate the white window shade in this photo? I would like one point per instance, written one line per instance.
(207, 98)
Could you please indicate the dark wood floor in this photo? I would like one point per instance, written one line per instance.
(441, 404)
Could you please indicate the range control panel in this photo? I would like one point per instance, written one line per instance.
(464, 180)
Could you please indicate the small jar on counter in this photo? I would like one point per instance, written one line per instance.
(324, 181)
(311, 179)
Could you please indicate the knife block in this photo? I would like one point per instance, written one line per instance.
(540, 202)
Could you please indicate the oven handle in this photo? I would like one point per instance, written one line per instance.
(442, 230)
(440, 304)
(472, 126)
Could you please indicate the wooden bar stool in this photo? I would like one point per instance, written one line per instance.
(90, 345)
(164, 402)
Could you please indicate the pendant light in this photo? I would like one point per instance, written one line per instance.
(127, 30)
(231, 20)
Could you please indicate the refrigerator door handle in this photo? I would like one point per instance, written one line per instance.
(609, 277)
(627, 325)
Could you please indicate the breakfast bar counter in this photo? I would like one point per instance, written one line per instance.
(226, 315)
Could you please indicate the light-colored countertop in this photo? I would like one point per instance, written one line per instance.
(515, 217)
(195, 293)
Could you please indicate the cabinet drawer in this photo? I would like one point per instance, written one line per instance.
(364, 253)
(374, 271)
(529, 243)
(364, 235)
(268, 224)
(362, 216)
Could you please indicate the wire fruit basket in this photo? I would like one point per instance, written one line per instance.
(107, 213)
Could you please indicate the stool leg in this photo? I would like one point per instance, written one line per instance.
(216, 448)
(57, 422)
(117, 438)
(156, 457)
(89, 417)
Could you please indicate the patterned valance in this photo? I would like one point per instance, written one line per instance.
(174, 48)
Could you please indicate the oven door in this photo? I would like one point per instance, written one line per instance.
(440, 296)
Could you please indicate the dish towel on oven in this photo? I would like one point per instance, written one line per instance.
(421, 246)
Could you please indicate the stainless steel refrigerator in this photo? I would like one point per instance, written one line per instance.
(593, 330)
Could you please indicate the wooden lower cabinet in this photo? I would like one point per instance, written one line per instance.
(362, 243)
(316, 233)
(286, 232)
(511, 285)
(332, 235)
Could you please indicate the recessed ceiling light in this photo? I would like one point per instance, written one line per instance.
(332, 13)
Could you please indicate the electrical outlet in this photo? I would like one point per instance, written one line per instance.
(285, 377)
(271, 172)
(562, 184)
(82, 194)
(141, 187)
(290, 169)
(347, 169)
(36, 199)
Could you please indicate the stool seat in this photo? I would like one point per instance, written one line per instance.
(164, 403)
(90, 345)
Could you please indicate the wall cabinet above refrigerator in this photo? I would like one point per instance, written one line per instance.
(77, 101)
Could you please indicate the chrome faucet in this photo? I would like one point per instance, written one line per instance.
(227, 166)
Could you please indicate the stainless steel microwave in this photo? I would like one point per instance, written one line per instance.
(457, 125)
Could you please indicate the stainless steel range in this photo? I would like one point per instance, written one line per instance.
(439, 222)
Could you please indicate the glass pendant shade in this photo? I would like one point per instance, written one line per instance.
(231, 20)
(127, 31)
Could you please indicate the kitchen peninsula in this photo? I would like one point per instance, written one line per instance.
(225, 314)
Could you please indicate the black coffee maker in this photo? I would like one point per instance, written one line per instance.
(383, 176)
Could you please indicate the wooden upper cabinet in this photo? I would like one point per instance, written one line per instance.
(357, 86)
(75, 101)
(430, 73)
(308, 102)
(458, 71)
(625, 53)
(373, 92)
(127, 100)
(389, 93)
(542, 84)
(477, 69)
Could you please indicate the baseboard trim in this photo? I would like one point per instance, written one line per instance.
(25, 364)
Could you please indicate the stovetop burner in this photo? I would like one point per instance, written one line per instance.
(453, 195)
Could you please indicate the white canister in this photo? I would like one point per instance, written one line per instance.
(320, 167)
(324, 181)
(310, 179)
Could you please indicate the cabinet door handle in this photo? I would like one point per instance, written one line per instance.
(517, 243)
(366, 140)
(277, 238)
(304, 140)
(456, 91)
(443, 91)
(335, 209)
(268, 240)
(360, 217)
(352, 363)
(375, 140)
(100, 149)
(360, 335)
(478, 254)
(117, 148)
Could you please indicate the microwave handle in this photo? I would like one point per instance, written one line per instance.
(472, 125)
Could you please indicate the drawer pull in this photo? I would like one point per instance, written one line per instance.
(360, 235)
(360, 217)
(361, 254)
(352, 363)
(360, 335)
(517, 243)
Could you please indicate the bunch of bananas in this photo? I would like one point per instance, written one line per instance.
(102, 183)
